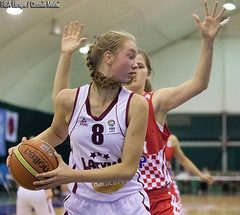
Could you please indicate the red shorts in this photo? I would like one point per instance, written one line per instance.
(163, 202)
(176, 193)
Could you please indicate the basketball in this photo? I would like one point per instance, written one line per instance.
(30, 158)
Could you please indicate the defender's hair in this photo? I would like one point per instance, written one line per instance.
(148, 85)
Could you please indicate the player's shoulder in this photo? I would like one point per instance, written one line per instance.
(66, 97)
(173, 138)
(138, 102)
(66, 93)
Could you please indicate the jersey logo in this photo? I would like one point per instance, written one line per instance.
(99, 154)
(108, 187)
(142, 161)
(148, 96)
(83, 122)
(101, 161)
(111, 126)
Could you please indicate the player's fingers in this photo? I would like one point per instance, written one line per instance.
(45, 178)
(70, 29)
(206, 8)
(80, 29)
(65, 31)
(209, 179)
(197, 19)
(10, 150)
(7, 162)
(82, 40)
(24, 139)
(47, 183)
(225, 21)
(220, 14)
(75, 27)
(215, 9)
(59, 157)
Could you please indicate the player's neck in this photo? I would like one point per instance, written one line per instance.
(102, 94)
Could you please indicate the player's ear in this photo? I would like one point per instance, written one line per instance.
(108, 57)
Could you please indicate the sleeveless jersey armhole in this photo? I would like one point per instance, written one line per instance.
(127, 109)
(163, 128)
(75, 102)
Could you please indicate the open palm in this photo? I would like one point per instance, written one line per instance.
(71, 37)
(210, 26)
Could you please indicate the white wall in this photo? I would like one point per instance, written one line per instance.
(177, 63)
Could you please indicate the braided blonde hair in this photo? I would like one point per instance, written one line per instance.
(112, 41)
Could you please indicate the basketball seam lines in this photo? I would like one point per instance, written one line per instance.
(43, 153)
(25, 164)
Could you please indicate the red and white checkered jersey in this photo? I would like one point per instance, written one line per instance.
(153, 162)
(169, 152)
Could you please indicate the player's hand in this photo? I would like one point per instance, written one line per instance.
(10, 151)
(211, 25)
(207, 178)
(72, 39)
(61, 175)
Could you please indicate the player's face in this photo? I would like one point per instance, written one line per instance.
(140, 76)
(124, 64)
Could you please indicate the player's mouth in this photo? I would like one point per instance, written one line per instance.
(132, 73)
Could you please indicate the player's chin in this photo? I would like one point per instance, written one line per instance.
(130, 80)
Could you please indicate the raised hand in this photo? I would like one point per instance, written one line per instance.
(72, 39)
(211, 25)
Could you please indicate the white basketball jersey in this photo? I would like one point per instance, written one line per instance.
(97, 142)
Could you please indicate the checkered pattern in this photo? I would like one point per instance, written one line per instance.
(154, 172)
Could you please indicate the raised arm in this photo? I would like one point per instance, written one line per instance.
(167, 99)
(71, 41)
(186, 162)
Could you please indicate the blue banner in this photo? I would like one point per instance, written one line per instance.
(2, 132)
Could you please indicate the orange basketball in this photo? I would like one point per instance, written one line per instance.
(30, 158)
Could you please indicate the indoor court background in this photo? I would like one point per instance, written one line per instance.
(208, 126)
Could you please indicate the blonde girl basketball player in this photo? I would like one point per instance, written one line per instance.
(157, 180)
(107, 127)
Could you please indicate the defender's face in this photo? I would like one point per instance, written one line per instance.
(140, 76)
